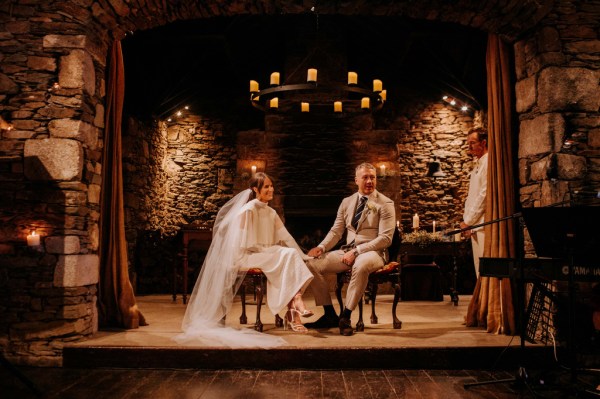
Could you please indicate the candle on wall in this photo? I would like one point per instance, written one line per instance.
(382, 170)
(312, 75)
(253, 86)
(434, 226)
(383, 95)
(305, 107)
(377, 85)
(33, 239)
(365, 102)
(337, 106)
(416, 221)
(275, 79)
(274, 103)
(253, 167)
(352, 78)
(397, 224)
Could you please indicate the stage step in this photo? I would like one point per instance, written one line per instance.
(307, 358)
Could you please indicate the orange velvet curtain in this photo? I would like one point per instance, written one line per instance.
(116, 300)
(491, 305)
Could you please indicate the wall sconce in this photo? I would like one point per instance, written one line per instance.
(434, 169)
(33, 239)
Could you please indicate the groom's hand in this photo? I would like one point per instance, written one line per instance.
(315, 252)
(349, 258)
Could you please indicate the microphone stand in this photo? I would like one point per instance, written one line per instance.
(521, 376)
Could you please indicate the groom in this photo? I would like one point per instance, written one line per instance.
(368, 218)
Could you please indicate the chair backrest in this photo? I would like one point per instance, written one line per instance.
(394, 247)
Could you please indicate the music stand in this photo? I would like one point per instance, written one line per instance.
(570, 234)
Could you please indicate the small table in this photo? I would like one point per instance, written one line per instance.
(444, 248)
(190, 233)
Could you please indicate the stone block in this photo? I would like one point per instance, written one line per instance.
(553, 191)
(77, 71)
(62, 245)
(53, 159)
(68, 41)
(525, 92)
(94, 194)
(570, 166)
(43, 329)
(548, 39)
(76, 270)
(540, 135)
(41, 63)
(74, 129)
(75, 311)
(539, 169)
(7, 85)
(568, 89)
(99, 117)
(594, 138)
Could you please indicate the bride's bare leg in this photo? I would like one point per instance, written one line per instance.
(298, 303)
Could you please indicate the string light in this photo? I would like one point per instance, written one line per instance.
(452, 101)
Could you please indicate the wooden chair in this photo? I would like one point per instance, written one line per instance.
(258, 281)
(389, 273)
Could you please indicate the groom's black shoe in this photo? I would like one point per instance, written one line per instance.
(325, 321)
(346, 327)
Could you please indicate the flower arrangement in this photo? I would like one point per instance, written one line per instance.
(422, 238)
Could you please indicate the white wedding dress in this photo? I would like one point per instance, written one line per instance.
(245, 235)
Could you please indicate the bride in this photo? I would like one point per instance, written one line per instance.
(247, 234)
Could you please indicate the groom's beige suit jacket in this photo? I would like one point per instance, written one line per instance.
(375, 227)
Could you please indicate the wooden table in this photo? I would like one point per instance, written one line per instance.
(190, 233)
(453, 249)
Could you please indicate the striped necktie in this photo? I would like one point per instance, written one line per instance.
(359, 211)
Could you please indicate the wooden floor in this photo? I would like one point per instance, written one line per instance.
(67, 383)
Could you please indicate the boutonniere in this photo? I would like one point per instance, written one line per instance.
(370, 207)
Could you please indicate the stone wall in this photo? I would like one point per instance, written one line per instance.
(52, 91)
(174, 174)
(557, 98)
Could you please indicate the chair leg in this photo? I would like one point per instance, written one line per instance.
(278, 321)
(338, 290)
(374, 287)
(259, 290)
(243, 318)
(360, 325)
(397, 322)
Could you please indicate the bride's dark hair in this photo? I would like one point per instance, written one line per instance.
(258, 181)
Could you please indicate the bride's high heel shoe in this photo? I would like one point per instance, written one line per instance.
(305, 312)
(289, 322)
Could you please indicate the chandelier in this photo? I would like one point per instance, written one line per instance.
(304, 97)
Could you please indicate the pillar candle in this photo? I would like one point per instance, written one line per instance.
(434, 226)
(312, 75)
(274, 103)
(253, 86)
(365, 102)
(275, 79)
(416, 221)
(352, 78)
(377, 85)
(33, 239)
(337, 106)
(397, 224)
(382, 170)
(253, 167)
(383, 95)
(305, 107)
